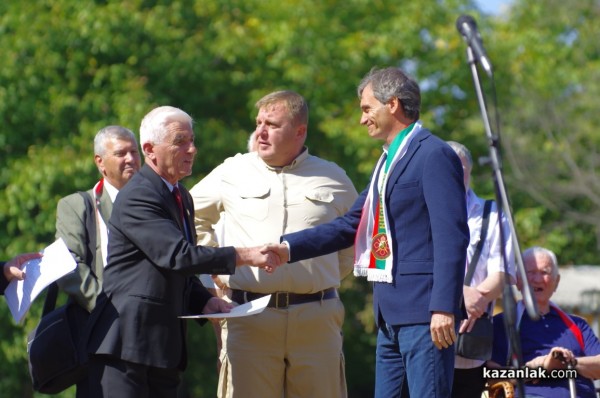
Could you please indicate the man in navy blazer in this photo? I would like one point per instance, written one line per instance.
(410, 241)
(136, 339)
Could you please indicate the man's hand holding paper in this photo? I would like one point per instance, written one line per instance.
(56, 262)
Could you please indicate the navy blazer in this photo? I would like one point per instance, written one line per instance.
(150, 277)
(425, 201)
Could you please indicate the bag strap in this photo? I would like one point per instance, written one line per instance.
(484, 227)
(487, 206)
(90, 227)
(50, 301)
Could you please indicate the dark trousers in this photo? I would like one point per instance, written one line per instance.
(468, 383)
(114, 378)
(83, 388)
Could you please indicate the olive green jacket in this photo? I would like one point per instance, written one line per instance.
(85, 283)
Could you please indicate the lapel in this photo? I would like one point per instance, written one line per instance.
(188, 207)
(403, 163)
(169, 200)
(162, 190)
(105, 206)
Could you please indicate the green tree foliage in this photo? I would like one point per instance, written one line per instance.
(550, 72)
(72, 67)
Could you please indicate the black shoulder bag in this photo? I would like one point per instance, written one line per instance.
(56, 351)
(477, 344)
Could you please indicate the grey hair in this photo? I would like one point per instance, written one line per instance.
(154, 125)
(537, 250)
(293, 102)
(111, 132)
(462, 151)
(392, 82)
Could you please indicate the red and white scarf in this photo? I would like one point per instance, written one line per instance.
(364, 233)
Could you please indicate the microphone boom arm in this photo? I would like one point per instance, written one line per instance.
(509, 301)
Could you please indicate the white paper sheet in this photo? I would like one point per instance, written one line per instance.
(250, 308)
(56, 262)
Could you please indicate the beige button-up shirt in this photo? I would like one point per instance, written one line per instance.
(260, 203)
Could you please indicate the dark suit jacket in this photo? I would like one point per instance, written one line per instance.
(425, 200)
(150, 277)
(3, 281)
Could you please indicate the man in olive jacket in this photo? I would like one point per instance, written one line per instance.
(117, 157)
(82, 219)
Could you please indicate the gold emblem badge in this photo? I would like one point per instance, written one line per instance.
(380, 247)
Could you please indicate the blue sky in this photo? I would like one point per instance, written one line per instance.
(492, 6)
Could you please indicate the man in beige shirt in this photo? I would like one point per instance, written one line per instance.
(294, 347)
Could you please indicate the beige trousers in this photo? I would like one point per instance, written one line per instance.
(292, 353)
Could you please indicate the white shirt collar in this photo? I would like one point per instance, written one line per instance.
(112, 191)
(169, 185)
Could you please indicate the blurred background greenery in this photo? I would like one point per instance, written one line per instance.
(71, 67)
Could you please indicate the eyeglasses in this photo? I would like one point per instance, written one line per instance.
(541, 272)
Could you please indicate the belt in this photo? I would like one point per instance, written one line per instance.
(284, 299)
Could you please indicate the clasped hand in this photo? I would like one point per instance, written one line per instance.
(267, 257)
(277, 254)
(475, 304)
(557, 358)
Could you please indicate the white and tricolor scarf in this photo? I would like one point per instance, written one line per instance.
(363, 242)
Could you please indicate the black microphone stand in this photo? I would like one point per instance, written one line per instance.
(509, 301)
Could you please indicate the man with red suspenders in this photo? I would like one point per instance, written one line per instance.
(555, 341)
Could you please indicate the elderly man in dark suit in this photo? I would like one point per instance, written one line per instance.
(411, 235)
(137, 341)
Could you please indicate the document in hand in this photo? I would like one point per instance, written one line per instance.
(250, 308)
(56, 262)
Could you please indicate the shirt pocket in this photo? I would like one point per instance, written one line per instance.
(252, 200)
(318, 206)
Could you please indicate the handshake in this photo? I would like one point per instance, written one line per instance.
(267, 257)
